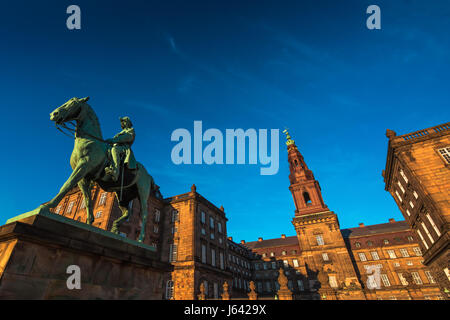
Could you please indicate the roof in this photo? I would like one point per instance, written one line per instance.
(278, 242)
(374, 229)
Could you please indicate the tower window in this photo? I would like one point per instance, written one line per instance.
(319, 239)
(306, 198)
(296, 162)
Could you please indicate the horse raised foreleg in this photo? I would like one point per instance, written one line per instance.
(144, 214)
(85, 187)
(119, 221)
(77, 174)
(144, 185)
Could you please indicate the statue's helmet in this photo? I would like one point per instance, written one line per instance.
(127, 121)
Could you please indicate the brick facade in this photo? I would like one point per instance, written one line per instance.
(417, 176)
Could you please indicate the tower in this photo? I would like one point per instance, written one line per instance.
(304, 187)
(325, 255)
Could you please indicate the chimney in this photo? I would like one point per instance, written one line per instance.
(230, 238)
(221, 208)
(260, 239)
(391, 220)
(242, 241)
(361, 225)
(283, 236)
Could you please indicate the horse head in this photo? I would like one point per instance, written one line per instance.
(68, 111)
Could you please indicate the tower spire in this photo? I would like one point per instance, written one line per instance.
(304, 187)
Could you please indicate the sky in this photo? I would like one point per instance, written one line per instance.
(312, 66)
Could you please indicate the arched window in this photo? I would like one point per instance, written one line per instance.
(306, 198)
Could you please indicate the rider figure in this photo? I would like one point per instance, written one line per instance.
(122, 145)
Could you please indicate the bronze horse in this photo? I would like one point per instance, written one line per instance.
(89, 158)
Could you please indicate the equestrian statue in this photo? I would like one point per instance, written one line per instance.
(109, 163)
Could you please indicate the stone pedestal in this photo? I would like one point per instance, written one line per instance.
(36, 251)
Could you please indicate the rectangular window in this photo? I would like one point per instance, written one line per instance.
(295, 262)
(69, 207)
(325, 256)
(319, 239)
(219, 227)
(83, 204)
(445, 153)
(216, 290)
(427, 232)
(362, 256)
(332, 281)
(433, 225)
(259, 286)
(169, 289)
(374, 255)
(203, 217)
(102, 199)
(408, 213)
(404, 253)
(268, 286)
(429, 277)
(416, 278)
(385, 280)
(403, 175)
(58, 209)
(274, 265)
(98, 214)
(211, 222)
(415, 195)
(221, 261)
(286, 263)
(300, 285)
(212, 235)
(391, 254)
(174, 215)
(156, 229)
(398, 196)
(205, 284)
(203, 253)
(400, 186)
(203, 231)
(157, 215)
(423, 240)
(173, 253)
(411, 204)
(417, 251)
(213, 257)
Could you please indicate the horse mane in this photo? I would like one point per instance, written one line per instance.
(90, 113)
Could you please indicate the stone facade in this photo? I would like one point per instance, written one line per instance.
(417, 175)
(35, 253)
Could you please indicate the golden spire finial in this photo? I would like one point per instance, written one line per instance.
(288, 137)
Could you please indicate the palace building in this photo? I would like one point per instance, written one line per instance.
(322, 261)
(417, 175)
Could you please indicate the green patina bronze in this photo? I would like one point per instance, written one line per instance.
(96, 160)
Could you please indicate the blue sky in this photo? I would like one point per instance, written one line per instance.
(312, 66)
